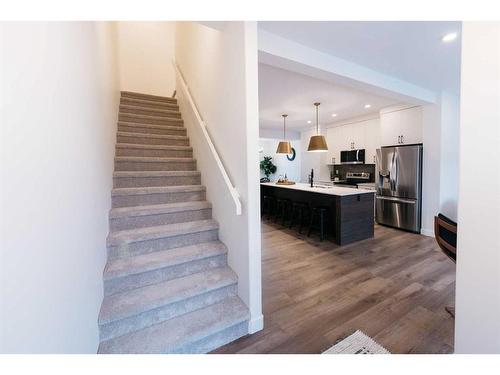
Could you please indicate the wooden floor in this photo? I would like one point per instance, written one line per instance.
(393, 287)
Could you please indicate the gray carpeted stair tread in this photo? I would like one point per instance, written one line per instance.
(148, 103)
(160, 112)
(154, 159)
(136, 301)
(173, 334)
(156, 190)
(153, 147)
(160, 259)
(139, 117)
(161, 231)
(143, 174)
(156, 209)
(145, 135)
(139, 95)
(149, 126)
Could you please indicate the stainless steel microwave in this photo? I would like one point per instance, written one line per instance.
(352, 157)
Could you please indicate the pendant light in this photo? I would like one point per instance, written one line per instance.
(284, 146)
(317, 143)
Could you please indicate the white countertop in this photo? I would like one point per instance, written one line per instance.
(333, 190)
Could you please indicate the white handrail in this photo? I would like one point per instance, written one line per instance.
(232, 190)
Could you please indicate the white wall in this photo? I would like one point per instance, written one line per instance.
(220, 67)
(477, 327)
(145, 53)
(311, 160)
(267, 147)
(450, 131)
(431, 169)
(58, 109)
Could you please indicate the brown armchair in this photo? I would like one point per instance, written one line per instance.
(445, 232)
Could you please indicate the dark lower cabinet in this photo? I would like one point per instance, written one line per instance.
(350, 216)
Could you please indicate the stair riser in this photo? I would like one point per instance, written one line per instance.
(126, 182)
(152, 98)
(149, 104)
(146, 247)
(161, 219)
(148, 318)
(158, 198)
(154, 166)
(214, 341)
(125, 283)
(150, 112)
(177, 130)
(172, 121)
(154, 152)
(134, 139)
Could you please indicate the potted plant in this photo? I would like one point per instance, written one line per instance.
(267, 167)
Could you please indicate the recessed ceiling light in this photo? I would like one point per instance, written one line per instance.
(368, 105)
(334, 115)
(449, 37)
(309, 121)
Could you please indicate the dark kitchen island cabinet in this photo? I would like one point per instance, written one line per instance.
(350, 210)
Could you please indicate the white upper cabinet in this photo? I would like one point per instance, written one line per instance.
(372, 140)
(400, 125)
(360, 135)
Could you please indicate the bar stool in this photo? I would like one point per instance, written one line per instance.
(320, 212)
(301, 208)
(283, 206)
(268, 203)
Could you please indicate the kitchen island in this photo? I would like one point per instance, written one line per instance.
(350, 210)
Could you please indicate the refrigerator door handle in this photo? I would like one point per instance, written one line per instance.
(396, 177)
(392, 174)
(393, 199)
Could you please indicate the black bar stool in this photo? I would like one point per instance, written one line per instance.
(283, 206)
(320, 212)
(299, 208)
(268, 204)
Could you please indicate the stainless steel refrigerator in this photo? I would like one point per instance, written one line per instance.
(398, 202)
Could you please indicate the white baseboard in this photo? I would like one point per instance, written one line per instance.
(427, 232)
(256, 324)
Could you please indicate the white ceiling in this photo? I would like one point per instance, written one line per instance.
(282, 91)
(408, 50)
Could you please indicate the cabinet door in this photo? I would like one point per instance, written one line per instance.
(372, 140)
(333, 141)
(411, 125)
(403, 122)
(358, 134)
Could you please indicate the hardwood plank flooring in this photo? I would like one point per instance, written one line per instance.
(393, 287)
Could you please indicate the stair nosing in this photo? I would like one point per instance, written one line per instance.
(218, 249)
(209, 327)
(228, 278)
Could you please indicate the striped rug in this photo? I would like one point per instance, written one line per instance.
(357, 343)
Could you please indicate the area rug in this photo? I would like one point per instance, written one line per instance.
(357, 343)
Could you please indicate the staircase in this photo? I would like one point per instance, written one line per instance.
(167, 285)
